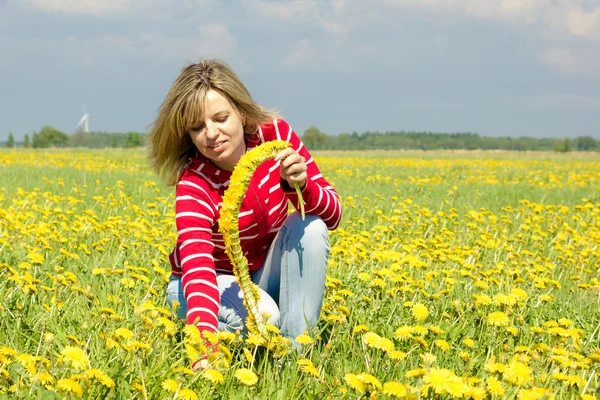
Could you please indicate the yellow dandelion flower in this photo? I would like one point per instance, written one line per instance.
(248, 355)
(227, 337)
(186, 394)
(183, 370)
(70, 385)
(494, 386)
(442, 345)
(45, 378)
(498, 318)
(75, 356)
(170, 385)
(397, 355)
(123, 333)
(246, 376)
(394, 389)
(468, 342)
(308, 367)
(419, 312)
(420, 330)
(304, 339)
(358, 329)
(355, 382)
(363, 276)
(404, 333)
(476, 393)
(99, 376)
(213, 376)
(517, 373)
(370, 381)
(414, 373)
(438, 379)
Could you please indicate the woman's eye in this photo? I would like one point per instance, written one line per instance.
(223, 119)
(197, 128)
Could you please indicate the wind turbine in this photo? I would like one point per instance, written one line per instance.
(83, 122)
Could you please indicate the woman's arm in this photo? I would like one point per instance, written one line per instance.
(320, 197)
(195, 216)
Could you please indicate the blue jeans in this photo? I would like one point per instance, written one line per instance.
(291, 281)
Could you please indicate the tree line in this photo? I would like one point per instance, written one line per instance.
(314, 139)
(49, 136)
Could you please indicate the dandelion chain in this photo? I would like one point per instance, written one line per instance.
(229, 227)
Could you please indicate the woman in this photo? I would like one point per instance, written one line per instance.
(206, 123)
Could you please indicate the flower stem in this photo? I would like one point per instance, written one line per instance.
(301, 201)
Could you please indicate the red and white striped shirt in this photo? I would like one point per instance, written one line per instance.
(199, 254)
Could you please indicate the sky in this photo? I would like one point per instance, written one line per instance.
(495, 67)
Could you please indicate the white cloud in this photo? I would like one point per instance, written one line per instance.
(302, 56)
(284, 9)
(572, 61)
(563, 17)
(81, 7)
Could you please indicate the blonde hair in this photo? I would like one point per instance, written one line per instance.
(169, 142)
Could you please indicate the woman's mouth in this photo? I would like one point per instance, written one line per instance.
(217, 146)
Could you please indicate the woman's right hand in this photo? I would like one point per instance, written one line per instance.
(201, 365)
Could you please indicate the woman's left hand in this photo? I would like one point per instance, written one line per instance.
(293, 167)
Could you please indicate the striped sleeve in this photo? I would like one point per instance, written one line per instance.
(320, 197)
(195, 214)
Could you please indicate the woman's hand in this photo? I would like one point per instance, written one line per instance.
(293, 167)
(201, 365)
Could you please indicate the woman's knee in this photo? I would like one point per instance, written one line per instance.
(232, 311)
(311, 230)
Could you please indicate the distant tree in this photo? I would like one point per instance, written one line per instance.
(10, 142)
(134, 139)
(562, 146)
(26, 142)
(586, 143)
(49, 136)
(313, 138)
(79, 139)
(113, 142)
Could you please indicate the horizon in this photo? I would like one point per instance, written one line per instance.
(506, 69)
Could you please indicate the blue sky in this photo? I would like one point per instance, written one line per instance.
(501, 67)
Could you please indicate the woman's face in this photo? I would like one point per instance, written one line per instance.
(220, 136)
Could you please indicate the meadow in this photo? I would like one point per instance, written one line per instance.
(452, 275)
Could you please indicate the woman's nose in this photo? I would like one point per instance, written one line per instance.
(211, 131)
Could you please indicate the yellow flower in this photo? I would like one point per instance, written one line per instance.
(419, 311)
(394, 389)
(75, 356)
(442, 344)
(397, 355)
(99, 376)
(468, 342)
(304, 339)
(355, 382)
(403, 333)
(494, 386)
(213, 376)
(358, 329)
(308, 367)
(123, 333)
(70, 385)
(438, 379)
(186, 394)
(517, 373)
(246, 376)
(498, 318)
(170, 385)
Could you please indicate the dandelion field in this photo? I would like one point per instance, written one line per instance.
(470, 275)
